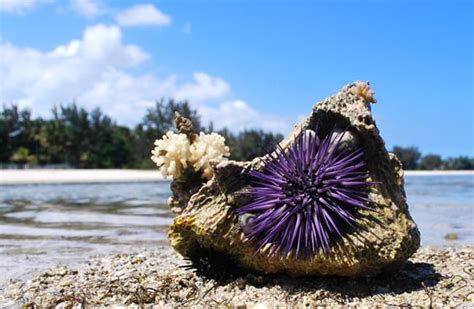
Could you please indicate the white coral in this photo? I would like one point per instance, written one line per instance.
(205, 148)
(171, 154)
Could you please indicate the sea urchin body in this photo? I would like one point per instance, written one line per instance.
(307, 197)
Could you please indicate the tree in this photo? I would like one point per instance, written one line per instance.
(17, 129)
(459, 163)
(86, 140)
(10, 128)
(67, 135)
(409, 156)
(157, 121)
(91, 139)
(160, 118)
(22, 156)
(110, 145)
(249, 144)
(431, 162)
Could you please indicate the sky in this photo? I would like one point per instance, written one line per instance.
(248, 64)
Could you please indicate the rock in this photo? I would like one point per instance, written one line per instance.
(241, 283)
(451, 236)
(389, 235)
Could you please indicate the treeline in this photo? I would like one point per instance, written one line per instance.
(412, 159)
(75, 137)
(78, 138)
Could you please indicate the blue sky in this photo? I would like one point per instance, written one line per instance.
(258, 64)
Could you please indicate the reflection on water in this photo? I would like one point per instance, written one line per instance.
(41, 225)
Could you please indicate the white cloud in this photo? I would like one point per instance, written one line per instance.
(238, 115)
(87, 8)
(141, 15)
(202, 88)
(98, 69)
(94, 71)
(19, 6)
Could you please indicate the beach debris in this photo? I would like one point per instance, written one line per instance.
(440, 277)
(451, 236)
(359, 225)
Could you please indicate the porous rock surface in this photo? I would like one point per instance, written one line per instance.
(388, 235)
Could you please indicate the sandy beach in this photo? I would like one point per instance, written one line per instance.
(45, 176)
(433, 277)
(50, 176)
(438, 173)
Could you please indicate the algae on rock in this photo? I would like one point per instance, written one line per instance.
(388, 235)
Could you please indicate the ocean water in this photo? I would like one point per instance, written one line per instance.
(44, 225)
(441, 205)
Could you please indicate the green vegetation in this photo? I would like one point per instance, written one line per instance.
(75, 137)
(409, 156)
(431, 162)
(412, 159)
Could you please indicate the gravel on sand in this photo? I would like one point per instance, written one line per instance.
(436, 277)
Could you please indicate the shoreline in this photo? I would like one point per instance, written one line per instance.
(434, 276)
(78, 176)
(439, 173)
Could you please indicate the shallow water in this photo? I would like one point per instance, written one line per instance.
(442, 205)
(42, 225)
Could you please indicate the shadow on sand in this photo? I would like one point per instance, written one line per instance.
(407, 278)
(410, 277)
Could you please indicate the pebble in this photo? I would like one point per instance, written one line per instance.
(241, 283)
(451, 236)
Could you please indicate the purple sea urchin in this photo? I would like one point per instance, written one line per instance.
(306, 197)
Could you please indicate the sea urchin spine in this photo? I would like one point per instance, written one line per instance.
(306, 197)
